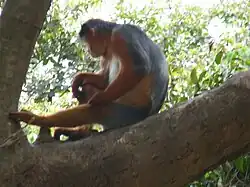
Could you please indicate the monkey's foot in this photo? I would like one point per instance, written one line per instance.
(24, 116)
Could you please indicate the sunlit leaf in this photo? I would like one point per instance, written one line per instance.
(218, 57)
(239, 163)
(202, 75)
(193, 76)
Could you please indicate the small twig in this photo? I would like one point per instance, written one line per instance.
(13, 138)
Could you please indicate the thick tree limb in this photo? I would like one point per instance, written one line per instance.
(169, 149)
(20, 25)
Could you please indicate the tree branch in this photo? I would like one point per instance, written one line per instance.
(20, 25)
(169, 149)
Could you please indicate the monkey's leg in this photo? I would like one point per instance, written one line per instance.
(72, 117)
(74, 133)
(70, 131)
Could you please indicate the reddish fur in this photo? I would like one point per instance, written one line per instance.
(126, 79)
(97, 80)
(75, 133)
(89, 90)
(91, 84)
(88, 113)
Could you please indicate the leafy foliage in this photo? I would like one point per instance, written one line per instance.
(57, 55)
(199, 59)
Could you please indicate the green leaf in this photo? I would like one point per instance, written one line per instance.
(218, 57)
(239, 164)
(247, 62)
(193, 76)
(202, 75)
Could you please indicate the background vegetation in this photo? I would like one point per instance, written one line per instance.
(200, 57)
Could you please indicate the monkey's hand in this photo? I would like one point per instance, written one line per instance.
(77, 82)
(82, 79)
(24, 116)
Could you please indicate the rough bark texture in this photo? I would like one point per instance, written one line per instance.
(169, 149)
(20, 25)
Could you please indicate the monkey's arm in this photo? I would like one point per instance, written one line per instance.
(98, 80)
(127, 77)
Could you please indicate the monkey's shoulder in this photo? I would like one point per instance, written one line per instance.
(129, 32)
(139, 44)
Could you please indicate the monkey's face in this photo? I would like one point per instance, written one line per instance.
(94, 44)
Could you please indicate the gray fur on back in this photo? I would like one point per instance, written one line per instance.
(148, 59)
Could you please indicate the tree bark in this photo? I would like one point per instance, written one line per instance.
(169, 149)
(20, 25)
(172, 148)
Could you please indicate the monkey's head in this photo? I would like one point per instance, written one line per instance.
(95, 34)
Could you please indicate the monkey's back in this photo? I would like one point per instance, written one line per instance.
(149, 61)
